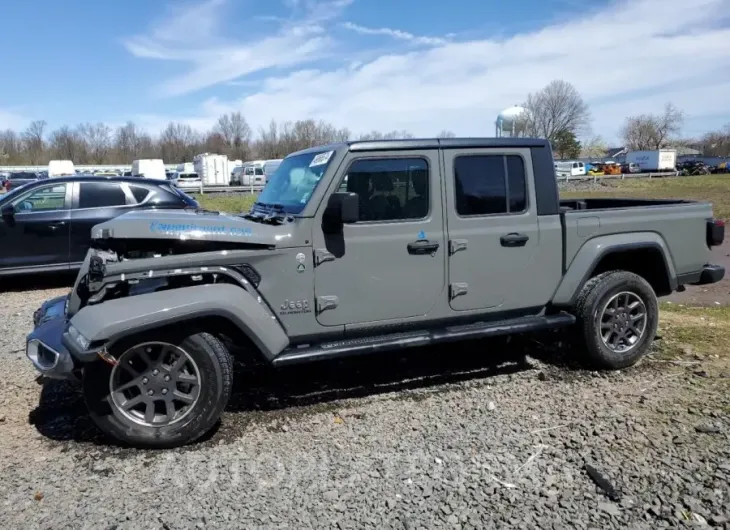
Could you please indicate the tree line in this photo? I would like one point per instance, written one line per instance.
(97, 143)
(557, 112)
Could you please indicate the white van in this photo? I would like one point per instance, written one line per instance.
(60, 168)
(250, 173)
(570, 169)
(151, 168)
(270, 166)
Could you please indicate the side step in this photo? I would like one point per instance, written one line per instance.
(395, 341)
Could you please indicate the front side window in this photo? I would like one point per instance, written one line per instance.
(42, 199)
(389, 189)
(490, 184)
(101, 195)
(291, 186)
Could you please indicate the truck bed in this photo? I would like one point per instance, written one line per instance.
(676, 227)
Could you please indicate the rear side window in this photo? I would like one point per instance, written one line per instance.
(181, 195)
(101, 194)
(490, 184)
(140, 193)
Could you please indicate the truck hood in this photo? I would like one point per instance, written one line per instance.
(193, 225)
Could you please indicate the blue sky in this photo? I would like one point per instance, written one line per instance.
(422, 66)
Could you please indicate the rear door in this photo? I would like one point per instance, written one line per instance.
(390, 264)
(38, 233)
(94, 203)
(494, 239)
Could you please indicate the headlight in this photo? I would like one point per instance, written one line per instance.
(78, 338)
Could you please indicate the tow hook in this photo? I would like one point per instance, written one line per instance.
(107, 357)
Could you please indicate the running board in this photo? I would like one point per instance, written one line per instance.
(412, 339)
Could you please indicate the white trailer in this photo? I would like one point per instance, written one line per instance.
(151, 168)
(214, 170)
(656, 160)
(185, 167)
(60, 168)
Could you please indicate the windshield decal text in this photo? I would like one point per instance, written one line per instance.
(321, 158)
(183, 228)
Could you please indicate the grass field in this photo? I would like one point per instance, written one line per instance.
(713, 188)
(223, 202)
(705, 329)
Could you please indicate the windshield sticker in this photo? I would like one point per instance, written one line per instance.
(188, 228)
(321, 158)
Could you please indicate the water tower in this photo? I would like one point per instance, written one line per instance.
(508, 121)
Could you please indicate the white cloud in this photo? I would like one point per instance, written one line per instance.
(12, 120)
(394, 33)
(215, 61)
(630, 57)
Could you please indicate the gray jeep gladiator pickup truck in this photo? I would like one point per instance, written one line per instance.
(355, 248)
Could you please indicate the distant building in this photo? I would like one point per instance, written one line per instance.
(688, 151)
(616, 152)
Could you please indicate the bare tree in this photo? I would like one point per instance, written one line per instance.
(652, 131)
(267, 145)
(446, 134)
(236, 133)
(98, 139)
(67, 144)
(33, 140)
(11, 145)
(126, 140)
(557, 108)
(178, 143)
(392, 135)
(716, 143)
(594, 148)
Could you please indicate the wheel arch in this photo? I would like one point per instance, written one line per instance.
(644, 253)
(221, 309)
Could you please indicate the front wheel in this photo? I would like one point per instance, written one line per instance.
(617, 315)
(166, 389)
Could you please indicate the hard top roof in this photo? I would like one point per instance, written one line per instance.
(429, 143)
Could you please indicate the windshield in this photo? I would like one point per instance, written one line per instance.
(294, 181)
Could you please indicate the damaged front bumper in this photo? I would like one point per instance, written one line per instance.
(44, 347)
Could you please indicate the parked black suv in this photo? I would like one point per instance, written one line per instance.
(46, 224)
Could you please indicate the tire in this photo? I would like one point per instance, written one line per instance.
(591, 311)
(206, 361)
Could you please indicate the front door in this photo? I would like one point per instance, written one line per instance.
(390, 264)
(37, 234)
(496, 261)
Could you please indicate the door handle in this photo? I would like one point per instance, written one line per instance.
(514, 240)
(56, 224)
(422, 246)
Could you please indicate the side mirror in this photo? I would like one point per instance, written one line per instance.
(8, 211)
(343, 207)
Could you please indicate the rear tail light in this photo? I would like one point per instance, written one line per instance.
(715, 232)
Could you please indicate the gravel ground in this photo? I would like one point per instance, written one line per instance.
(478, 440)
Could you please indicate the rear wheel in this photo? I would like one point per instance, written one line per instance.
(165, 390)
(617, 316)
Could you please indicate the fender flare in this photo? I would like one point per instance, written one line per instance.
(595, 249)
(111, 321)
